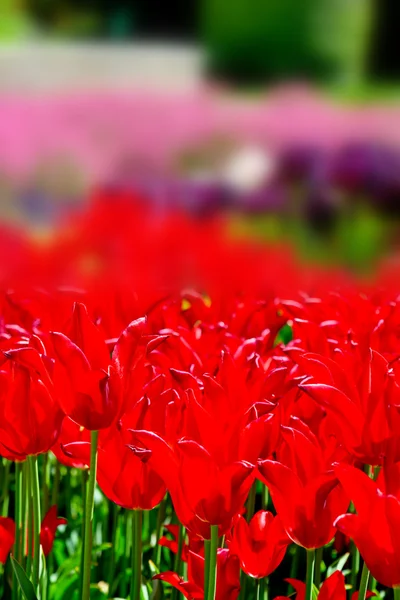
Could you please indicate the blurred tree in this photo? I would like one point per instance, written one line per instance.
(341, 33)
(72, 18)
(118, 19)
(257, 39)
(176, 19)
(275, 39)
(384, 58)
(14, 22)
(249, 40)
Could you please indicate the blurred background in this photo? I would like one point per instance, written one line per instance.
(281, 117)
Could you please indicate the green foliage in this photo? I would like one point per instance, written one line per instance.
(13, 21)
(338, 564)
(254, 40)
(285, 335)
(23, 581)
(358, 238)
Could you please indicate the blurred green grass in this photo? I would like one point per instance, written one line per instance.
(357, 241)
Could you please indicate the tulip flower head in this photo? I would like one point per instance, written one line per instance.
(375, 527)
(84, 378)
(31, 417)
(304, 488)
(7, 537)
(260, 545)
(50, 523)
(228, 580)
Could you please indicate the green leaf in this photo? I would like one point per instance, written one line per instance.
(144, 592)
(157, 592)
(338, 564)
(315, 592)
(284, 335)
(96, 593)
(24, 583)
(65, 588)
(154, 570)
(68, 566)
(102, 547)
(43, 568)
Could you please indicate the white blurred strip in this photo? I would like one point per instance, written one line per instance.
(54, 67)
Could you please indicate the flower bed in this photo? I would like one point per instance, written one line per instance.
(201, 411)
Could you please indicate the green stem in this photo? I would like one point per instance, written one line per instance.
(35, 493)
(87, 548)
(45, 483)
(159, 526)
(355, 566)
(24, 499)
(366, 581)
(243, 585)
(396, 593)
(251, 502)
(258, 589)
(56, 484)
(136, 554)
(29, 517)
(45, 583)
(50, 569)
(371, 583)
(85, 478)
(363, 583)
(310, 574)
(102, 562)
(125, 558)
(264, 589)
(111, 570)
(318, 561)
(6, 485)
(294, 567)
(4, 580)
(178, 558)
(265, 497)
(67, 488)
(207, 550)
(212, 558)
(18, 524)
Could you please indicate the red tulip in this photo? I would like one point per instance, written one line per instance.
(260, 545)
(214, 494)
(375, 528)
(124, 478)
(71, 432)
(83, 376)
(360, 392)
(172, 543)
(228, 580)
(7, 537)
(50, 523)
(201, 490)
(341, 542)
(30, 416)
(304, 488)
(129, 360)
(333, 588)
(232, 414)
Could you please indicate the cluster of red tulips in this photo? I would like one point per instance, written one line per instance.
(218, 444)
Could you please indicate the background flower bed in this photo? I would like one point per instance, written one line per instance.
(331, 167)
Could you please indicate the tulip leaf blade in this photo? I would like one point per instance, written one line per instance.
(315, 592)
(338, 564)
(24, 583)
